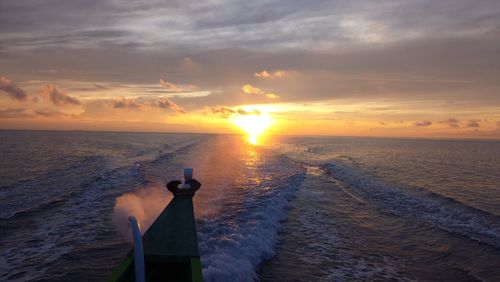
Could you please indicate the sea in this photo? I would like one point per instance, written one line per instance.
(293, 208)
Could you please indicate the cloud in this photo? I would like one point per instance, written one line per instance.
(170, 86)
(473, 123)
(280, 73)
(219, 24)
(51, 114)
(165, 103)
(12, 90)
(57, 97)
(100, 87)
(14, 113)
(423, 123)
(263, 74)
(227, 112)
(441, 69)
(275, 74)
(451, 122)
(272, 96)
(241, 111)
(433, 55)
(249, 89)
(143, 103)
(124, 103)
(177, 88)
(26, 113)
(224, 111)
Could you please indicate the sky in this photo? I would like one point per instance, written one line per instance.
(346, 68)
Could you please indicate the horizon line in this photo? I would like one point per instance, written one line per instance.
(289, 135)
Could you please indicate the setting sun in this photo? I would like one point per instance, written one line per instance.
(254, 125)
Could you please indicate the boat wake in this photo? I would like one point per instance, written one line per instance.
(440, 211)
(233, 244)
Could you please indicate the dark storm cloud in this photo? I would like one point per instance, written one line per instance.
(14, 92)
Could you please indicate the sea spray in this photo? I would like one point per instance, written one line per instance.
(145, 203)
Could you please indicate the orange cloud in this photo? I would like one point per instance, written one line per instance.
(224, 111)
(14, 113)
(275, 74)
(124, 103)
(52, 114)
(280, 73)
(138, 104)
(165, 103)
(177, 88)
(252, 112)
(272, 96)
(12, 90)
(170, 86)
(263, 74)
(249, 89)
(474, 123)
(57, 97)
(451, 122)
(423, 123)
(227, 112)
(19, 113)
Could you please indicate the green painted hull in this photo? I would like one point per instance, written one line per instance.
(170, 247)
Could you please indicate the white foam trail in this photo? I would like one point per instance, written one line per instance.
(233, 244)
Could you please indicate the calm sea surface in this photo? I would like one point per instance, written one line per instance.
(296, 208)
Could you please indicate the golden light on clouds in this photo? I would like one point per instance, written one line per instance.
(170, 86)
(249, 89)
(269, 74)
(272, 96)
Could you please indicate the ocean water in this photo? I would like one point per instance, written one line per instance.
(293, 209)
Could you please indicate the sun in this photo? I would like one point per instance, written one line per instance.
(253, 124)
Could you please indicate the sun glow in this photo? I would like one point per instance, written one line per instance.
(253, 124)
